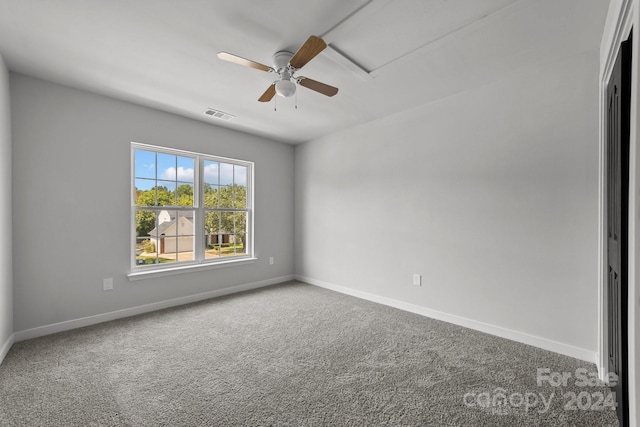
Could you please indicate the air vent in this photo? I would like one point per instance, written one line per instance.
(218, 114)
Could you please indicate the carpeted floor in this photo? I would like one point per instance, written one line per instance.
(291, 355)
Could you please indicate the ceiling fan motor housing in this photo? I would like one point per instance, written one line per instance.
(281, 60)
(284, 87)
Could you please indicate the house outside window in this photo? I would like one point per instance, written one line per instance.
(189, 208)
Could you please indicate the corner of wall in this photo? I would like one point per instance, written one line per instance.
(6, 346)
(6, 228)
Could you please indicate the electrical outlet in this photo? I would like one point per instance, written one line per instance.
(107, 284)
(270, 260)
(417, 280)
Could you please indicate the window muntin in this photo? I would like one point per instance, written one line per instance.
(170, 224)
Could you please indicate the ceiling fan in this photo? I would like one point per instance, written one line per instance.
(286, 64)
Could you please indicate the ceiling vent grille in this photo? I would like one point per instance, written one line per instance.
(218, 114)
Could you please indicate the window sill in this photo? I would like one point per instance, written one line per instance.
(149, 274)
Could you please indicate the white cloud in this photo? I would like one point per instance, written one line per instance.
(183, 174)
(214, 173)
(211, 172)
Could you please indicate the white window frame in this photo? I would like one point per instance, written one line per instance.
(199, 262)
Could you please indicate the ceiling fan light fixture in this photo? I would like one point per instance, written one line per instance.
(285, 88)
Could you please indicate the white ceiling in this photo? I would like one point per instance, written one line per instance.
(162, 53)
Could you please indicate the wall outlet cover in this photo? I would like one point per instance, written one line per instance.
(417, 280)
(107, 284)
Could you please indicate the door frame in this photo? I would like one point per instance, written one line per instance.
(623, 17)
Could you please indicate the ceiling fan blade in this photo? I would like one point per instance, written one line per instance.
(268, 94)
(226, 56)
(313, 46)
(319, 87)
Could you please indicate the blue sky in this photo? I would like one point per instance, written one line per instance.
(170, 170)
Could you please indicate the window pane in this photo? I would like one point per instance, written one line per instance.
(239, 196)
(226, 196)
(227, 227)
(185, 169)
(240, 175)
(241, 233)
(227, 248)
(212, 223)
(185, 225)
(240, 247)
(226, 174)
(211, 170)
(185, 195)
(213, 247)
(166, 193)
(145, 251)
(185, 247)
(176, 248)
(167, 249)
(145, 222)
(144, 192)
(210, 196)
(164, 218)
(145, 164)
(164, 224)
(146, 237)
(211, 230)
(227, 223)
(241, 224)
(239, 186)
(166, 167)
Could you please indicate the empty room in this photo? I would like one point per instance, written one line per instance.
(322, 213)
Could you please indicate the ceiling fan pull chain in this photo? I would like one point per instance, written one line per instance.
(275, 103)
(296, 99)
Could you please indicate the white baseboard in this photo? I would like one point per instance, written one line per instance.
(6, 347)
(544, 343)
(141, 309)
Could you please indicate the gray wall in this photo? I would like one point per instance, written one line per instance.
(71, 186)
(491, 195)
(6, 279)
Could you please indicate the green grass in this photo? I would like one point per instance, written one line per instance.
(152, 260)
(227, 250)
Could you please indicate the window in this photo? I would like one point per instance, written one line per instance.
(189, 208)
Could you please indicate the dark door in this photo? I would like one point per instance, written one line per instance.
(618, 116)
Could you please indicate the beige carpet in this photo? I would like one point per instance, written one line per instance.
(290, 355)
